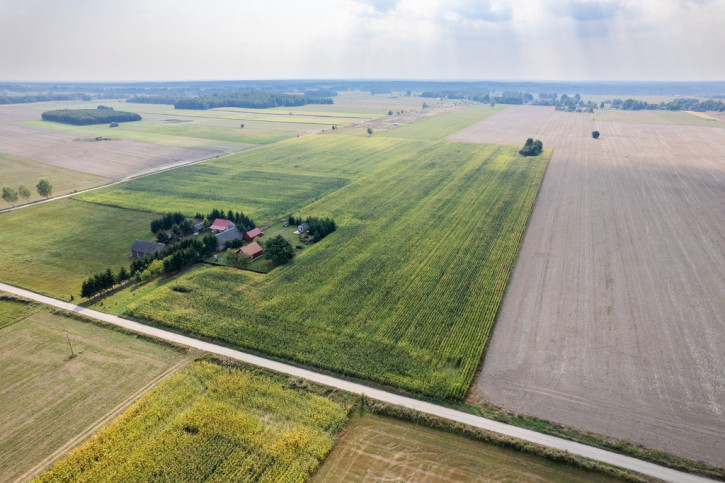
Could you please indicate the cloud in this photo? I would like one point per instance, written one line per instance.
(587, 11)
(380, 5)
(481, 10)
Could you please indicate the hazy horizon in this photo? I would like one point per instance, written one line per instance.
(520, 40)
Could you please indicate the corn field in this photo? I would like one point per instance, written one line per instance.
(404, 293)
(210, 423)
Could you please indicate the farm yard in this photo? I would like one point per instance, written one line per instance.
(614, 318)
(377, 448)
(211, 422)
(414, 274)
(51, 402)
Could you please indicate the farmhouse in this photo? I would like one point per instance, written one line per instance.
(221, 225)
(228, 235)
(252, 234)
(303, 227)
(253, 250)
(142, 248)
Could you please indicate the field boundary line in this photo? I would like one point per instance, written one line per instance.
(604, 456)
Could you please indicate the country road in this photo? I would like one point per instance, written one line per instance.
(604, 456)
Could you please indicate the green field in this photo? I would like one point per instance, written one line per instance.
(221, 184)
(52, 247)
(438, 127)
(405, 292)
(212, 423)
(51, 402)
(18, 171)
(377, 448)
(267, 182)
(654, 117)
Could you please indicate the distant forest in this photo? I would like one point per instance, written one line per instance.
(84, 117)
(252, 100)
(565, 102)
(43, 98)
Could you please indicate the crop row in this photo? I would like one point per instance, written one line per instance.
(405, 292)
(210, 423)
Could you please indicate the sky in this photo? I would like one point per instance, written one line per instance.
(148, 40)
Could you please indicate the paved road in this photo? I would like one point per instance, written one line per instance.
(615, 459)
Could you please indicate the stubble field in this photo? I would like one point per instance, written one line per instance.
(377, 448)
(614, 320)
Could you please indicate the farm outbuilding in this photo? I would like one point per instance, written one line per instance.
(252, 234)
(228, 235)
(254, 250)
(142, 248)
(303, 227)
(221, 225)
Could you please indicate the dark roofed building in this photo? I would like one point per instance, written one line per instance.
(226, 236)
(253, 250)
(142, 248)
(252, 234)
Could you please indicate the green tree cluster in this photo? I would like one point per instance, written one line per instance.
(250, 100)
(278, 250)
(531, 148)
(84, 117)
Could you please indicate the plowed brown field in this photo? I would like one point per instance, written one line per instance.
(614, 319)
(116, 159)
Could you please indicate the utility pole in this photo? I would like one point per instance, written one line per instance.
(71, 347)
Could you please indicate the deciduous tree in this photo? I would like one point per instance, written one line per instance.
(10, 195)
(44, 188)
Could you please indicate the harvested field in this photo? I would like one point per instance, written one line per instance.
(116, 159)
(376, 448)
(16, 171)
(614, 320)
(50, 402)
(702, 115)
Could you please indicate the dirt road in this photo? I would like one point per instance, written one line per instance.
(523, 434)
(614, 319)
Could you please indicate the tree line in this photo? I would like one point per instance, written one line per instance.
(43, 98)
(319, 228)
(170, 259)
(10, 195)
(684, 104)
(84, 117)
(250, 100)
(239, 219)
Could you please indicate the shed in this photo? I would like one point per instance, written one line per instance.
(220, 225)
(303, 227)
(142, 248)
(252, 234)
(199, 227)
(228, 235)
(253, 250)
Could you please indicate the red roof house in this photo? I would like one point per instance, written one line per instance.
(253, 250)
(221, 224)
(252, 234)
